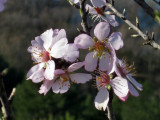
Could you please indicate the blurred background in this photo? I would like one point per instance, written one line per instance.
(23, 20)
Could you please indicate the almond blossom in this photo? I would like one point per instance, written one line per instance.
(102, 48)
(105, 83)
(2, 2)
(50, 45)
(61, 81)
(125, 70)
(100, 11)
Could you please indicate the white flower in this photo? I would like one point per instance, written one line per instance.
(50, 44)
(124, 70)
(103, 82)
(100, 11)
(61, 81)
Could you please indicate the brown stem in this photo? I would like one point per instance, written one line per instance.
(110, 115)
(6, 107)
(84, 14)
(148, 39)
(157, 2)
(146, 7)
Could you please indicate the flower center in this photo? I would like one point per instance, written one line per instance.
(99, 46)
(45, 56)
(103, 79)
(99, 10)
(64, 78)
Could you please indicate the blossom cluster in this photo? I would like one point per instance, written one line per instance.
(57, 61)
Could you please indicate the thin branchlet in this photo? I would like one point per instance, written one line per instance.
(149, 40)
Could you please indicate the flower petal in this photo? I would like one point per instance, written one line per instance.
(134, 82)
(120, 86)
(132, 90)
(45, 87)
(58, 35)
(102, 30)
(72, 53)
(83, 41)
(90, 62)
(59, 48)
(105, 62)
(102, 99)
(38, 76)
(116, 40)
(60, 87)
(59, 71)
(80, 77)
(75, 1)
(111, 19)
(46, 39)
(34, 69)
(124, 98)
(49, 72)
(98, 3)
(75, 66)
(91, 9)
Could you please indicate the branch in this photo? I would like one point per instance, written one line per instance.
(84, 14)
(148, 40)
(110, 115)
(156, 2)
(146, 7)
(6, 107)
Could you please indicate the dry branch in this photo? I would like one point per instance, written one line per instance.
(148, 40)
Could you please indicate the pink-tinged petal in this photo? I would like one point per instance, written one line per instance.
(83, 41)
(49, 72)
(120, 86)
(75, 66)
(65, 87)
(80, 77)
(91, 9)
(111, 19)
(45, 87)
(37, 58)
(38, 76)
(72, 53)
(102, 99)
(59, 71)
(90, 62)
(58, 35)
(124, 98)
(75, 1)
(113, 58)
(34, 69)
(132, 90)
(60, 87)
(35, 48)
(116, 40)
(98, 3)
(46, 38)
(59, 48)
(105, 62)
(134, 82)
(102, 30)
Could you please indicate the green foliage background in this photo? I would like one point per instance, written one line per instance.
(23, 20)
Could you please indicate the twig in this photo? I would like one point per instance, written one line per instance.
(147, 39)
(84, 14)
(146, 7)
(157, 2)
(74, 5)
(110, 115)
(6, 107)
